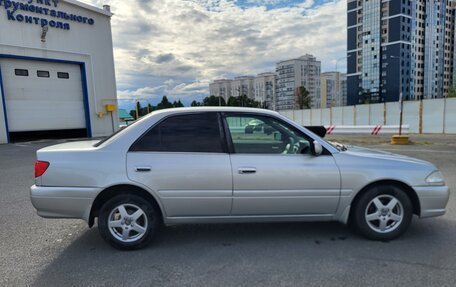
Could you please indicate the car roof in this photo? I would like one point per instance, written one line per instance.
(213, 109)
(175, 111)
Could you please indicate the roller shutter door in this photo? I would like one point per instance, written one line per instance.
(42, 96)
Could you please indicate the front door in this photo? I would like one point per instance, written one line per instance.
(183, 159)
(275, 172)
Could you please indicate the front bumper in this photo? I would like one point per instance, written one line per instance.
(63, 202)
(433, 200)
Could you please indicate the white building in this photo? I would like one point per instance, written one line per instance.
(293, 73)
(333, 89)
(56, 70)
(221, 88)
(243, 86)
(264, 90)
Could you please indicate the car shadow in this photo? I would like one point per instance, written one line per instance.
(194, 252)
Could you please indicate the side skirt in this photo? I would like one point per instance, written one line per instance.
(256, 218)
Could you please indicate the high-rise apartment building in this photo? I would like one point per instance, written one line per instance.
(399, 46)
(221, 88)
(333, 89)
(241, 86)
(293, 73)
(265, 90)
(343, 89)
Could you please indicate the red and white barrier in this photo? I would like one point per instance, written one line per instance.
(373, 130)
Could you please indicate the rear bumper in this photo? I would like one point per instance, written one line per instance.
(63, 202)
(433, 200)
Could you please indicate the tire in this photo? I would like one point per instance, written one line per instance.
(383, 213)
(128, 222)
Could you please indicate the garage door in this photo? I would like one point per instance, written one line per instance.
(42, 96)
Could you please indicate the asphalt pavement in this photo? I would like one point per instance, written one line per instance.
(44, 252)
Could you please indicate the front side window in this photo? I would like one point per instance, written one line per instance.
(257, 134)
(183, 133)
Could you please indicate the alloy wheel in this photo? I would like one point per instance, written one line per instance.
(127, 222)
(384, 213)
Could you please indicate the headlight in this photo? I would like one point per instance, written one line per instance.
(435, 178)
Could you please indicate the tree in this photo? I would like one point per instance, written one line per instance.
(234, 102)
(133, 114)
(177, 104)
(243, 101)
(214, 101)
(196, 104)
(141, 111)
(452, 92)
(302, 98)
(164, 104)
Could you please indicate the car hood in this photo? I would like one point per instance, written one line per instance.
(379, 154)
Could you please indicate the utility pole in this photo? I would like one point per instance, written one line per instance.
(400, 139)
(136, 109)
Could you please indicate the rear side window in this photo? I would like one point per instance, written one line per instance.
(183, 133)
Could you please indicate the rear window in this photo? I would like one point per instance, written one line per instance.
(109, 137)
(121, 130)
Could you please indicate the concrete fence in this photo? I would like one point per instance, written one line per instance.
(427, 116)
(373, 130)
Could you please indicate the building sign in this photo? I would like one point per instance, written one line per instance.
(31, 12)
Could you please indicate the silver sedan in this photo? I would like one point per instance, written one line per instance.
(200, 165)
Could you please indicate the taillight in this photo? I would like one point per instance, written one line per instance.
(40, 167)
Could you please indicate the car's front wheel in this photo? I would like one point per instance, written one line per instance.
(128, 222)
(382, 213)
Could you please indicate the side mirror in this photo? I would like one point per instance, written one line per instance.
(317, 148)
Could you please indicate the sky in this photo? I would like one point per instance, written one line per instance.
(177, 47)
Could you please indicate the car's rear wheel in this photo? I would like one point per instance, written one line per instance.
(128, 222)
(383, 212)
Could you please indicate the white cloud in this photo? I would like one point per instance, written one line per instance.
(177, 47)
(170, 88)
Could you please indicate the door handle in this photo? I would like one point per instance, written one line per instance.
(247, 170)
(143, 168)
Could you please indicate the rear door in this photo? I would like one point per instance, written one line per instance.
(184, 159)
(274, 171)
